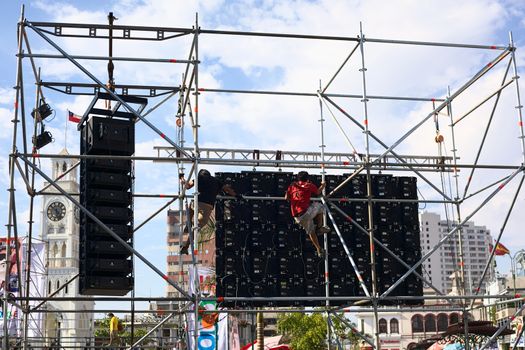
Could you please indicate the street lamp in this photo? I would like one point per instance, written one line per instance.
(520, 257)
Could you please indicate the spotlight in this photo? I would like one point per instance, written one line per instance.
(42, 112)
(43, 139)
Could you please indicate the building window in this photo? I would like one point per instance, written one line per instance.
(54, 254)
(394, 326)
(430, 323)
(442, 321)
(63, 255)
(454, 318)
(383, 328)
(417, 324)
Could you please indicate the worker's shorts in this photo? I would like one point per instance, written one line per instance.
(306, 220)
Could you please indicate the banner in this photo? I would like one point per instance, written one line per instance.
(233, 335)
(10, 285)
(216, 331)
(36, 285)
(517, 326)
(228, 332)
(206, 322)
(222, 332)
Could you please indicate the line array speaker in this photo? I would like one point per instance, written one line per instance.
(106, 189)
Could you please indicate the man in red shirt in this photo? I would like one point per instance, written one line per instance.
(303, 211)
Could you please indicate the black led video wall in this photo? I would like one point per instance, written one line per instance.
(261, 252)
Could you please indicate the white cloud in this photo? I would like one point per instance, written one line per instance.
(7, 96)
(70, 13)
(6, 126)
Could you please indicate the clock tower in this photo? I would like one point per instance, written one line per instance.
(60, 231)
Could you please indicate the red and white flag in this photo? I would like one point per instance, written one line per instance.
(75, 118)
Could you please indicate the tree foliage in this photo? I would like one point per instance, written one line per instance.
(305, 331)
(308, 331)
(102, 331)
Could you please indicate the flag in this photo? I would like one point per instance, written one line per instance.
(75, 118)
(500, 250)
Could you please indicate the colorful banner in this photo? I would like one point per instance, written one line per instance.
(216, 331)
(36, 285)
(207, 322)
(11, 285)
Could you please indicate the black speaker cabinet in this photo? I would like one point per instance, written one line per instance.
(110, 136)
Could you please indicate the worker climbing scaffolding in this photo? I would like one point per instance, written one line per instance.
(209, 188)
(308, 215)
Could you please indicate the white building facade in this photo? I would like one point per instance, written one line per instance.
(445, 261)
(402, 330)
(60, 232)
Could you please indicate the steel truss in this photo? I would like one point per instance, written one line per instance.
(23, 157)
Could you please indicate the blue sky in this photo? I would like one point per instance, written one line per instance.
(269, 122)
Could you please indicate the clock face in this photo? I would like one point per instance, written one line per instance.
(56, 211)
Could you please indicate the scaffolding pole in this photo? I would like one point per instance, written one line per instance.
(369, 195)
(389, 160)
(11, 210)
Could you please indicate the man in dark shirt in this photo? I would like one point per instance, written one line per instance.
(308, 215)
(209, 188)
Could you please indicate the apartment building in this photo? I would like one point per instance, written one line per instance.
(178, 264)
(445, 260)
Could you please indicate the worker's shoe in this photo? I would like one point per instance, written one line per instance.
(321, 254)
(323, 230)
(184, 250)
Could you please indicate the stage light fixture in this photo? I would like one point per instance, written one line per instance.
(43, 139)
(42, 112)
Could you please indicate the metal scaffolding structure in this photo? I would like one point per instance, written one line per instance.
(23, 159)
